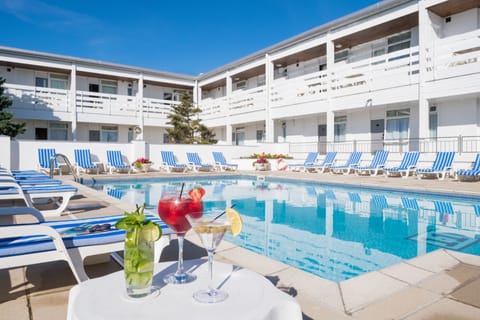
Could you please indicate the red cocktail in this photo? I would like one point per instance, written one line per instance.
(172, 209)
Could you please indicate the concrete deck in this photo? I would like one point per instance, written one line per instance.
(440, 285)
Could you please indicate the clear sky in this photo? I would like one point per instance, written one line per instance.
(188, 37)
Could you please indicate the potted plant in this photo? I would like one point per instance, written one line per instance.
(142, 164)
(261, 164)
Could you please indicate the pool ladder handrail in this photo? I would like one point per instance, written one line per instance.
(67, 162)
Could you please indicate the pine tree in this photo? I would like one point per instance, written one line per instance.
(7, 126)
(187, 127)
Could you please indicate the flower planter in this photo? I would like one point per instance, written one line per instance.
(145, 167)
(262, 166)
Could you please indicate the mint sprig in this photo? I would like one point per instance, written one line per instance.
(133, 219)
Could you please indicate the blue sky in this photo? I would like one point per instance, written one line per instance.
(188, 37)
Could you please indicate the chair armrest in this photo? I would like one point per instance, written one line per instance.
(22, 210)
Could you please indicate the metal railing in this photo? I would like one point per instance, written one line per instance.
(67, 162)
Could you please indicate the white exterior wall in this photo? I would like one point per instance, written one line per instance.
(457, 117)
(461, 23)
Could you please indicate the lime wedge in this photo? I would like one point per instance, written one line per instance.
(235, 220)
(151, 232)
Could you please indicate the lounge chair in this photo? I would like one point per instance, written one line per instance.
(31, 194)
(406, 167)
(46, 241)
(115, 162)
(377, 164)
(196, 164)
(44, 157)
(170, 164)
(325, 165)
(472, 173)
(349, 165)
(83, 161)
(440, 168)
(221, 163)
(309, 162)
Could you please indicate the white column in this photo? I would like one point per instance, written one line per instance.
(140, 106)
(330, 71)
(228, 93)
(425, 39)
(197, 94)
(73, 100)
(269, 123)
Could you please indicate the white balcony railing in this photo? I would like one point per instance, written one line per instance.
(213, 108)
(108, 104)
(156, 108)
(245, 101)
(454, 56)
(396, 69)
(38, 98)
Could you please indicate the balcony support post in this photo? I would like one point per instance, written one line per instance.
(228, 95)
(140, 107)
(72, 103)
(269, 123)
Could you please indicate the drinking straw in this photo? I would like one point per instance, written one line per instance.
(221, 214)
(181, 190)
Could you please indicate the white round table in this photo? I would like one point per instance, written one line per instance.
(251, 296)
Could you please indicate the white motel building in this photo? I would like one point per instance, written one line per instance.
(398, 75)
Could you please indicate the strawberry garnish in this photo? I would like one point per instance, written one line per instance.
(196, 193)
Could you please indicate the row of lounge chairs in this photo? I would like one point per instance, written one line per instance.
(441, 167)
(116, 162)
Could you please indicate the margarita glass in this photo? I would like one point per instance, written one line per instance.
(210, 228)
(172, 209)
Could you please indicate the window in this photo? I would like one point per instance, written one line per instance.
(341, 56)
(109, 86)
(260, 136)
(58, 131)
(109, 134)
(241, 84)
(399, 42)
(58, 81)
(340, 128)
(261, 80)
(284, 131)
(93, 135)
(397, 124)
(167, 96)
(240, 136)
(41, 133)
(433, 122)
(41, 82)
(92, 87)
(166, 138)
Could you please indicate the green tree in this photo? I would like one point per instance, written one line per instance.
(187, 127)
(7, 126)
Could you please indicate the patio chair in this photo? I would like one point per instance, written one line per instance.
(170, 164)
(406, 167)
(195, 163)
(68, 240)
(349, 165)
(309, 162)
(83, 161)
(44, 156)
(115, 162)
(440, 168)
(221, 163)
(327, 162)
(377, 164)
(472, 173)
(33, 195)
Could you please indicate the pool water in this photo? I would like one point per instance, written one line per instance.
(331, 231)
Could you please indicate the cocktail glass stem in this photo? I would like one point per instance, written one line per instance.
(211, 289)
(180, 273)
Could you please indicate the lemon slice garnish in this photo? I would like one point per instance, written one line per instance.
(151, 232)
(235, 220)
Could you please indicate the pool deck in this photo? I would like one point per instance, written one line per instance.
(440, 285)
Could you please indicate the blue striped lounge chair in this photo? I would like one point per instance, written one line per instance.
(44, 156)
(115, 162)
(440, 168)
(410, 204)
(349, 165)
(327, 162)
(407, 166)
(310, 161)
(61, 193)
(195, 163)
(377, 164)
(472, 173)
(221, 163)
(83, 161)
(68, 240)
(170, 164)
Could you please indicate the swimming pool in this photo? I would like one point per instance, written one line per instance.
(331, 231)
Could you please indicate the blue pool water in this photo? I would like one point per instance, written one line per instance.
(331, 231)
